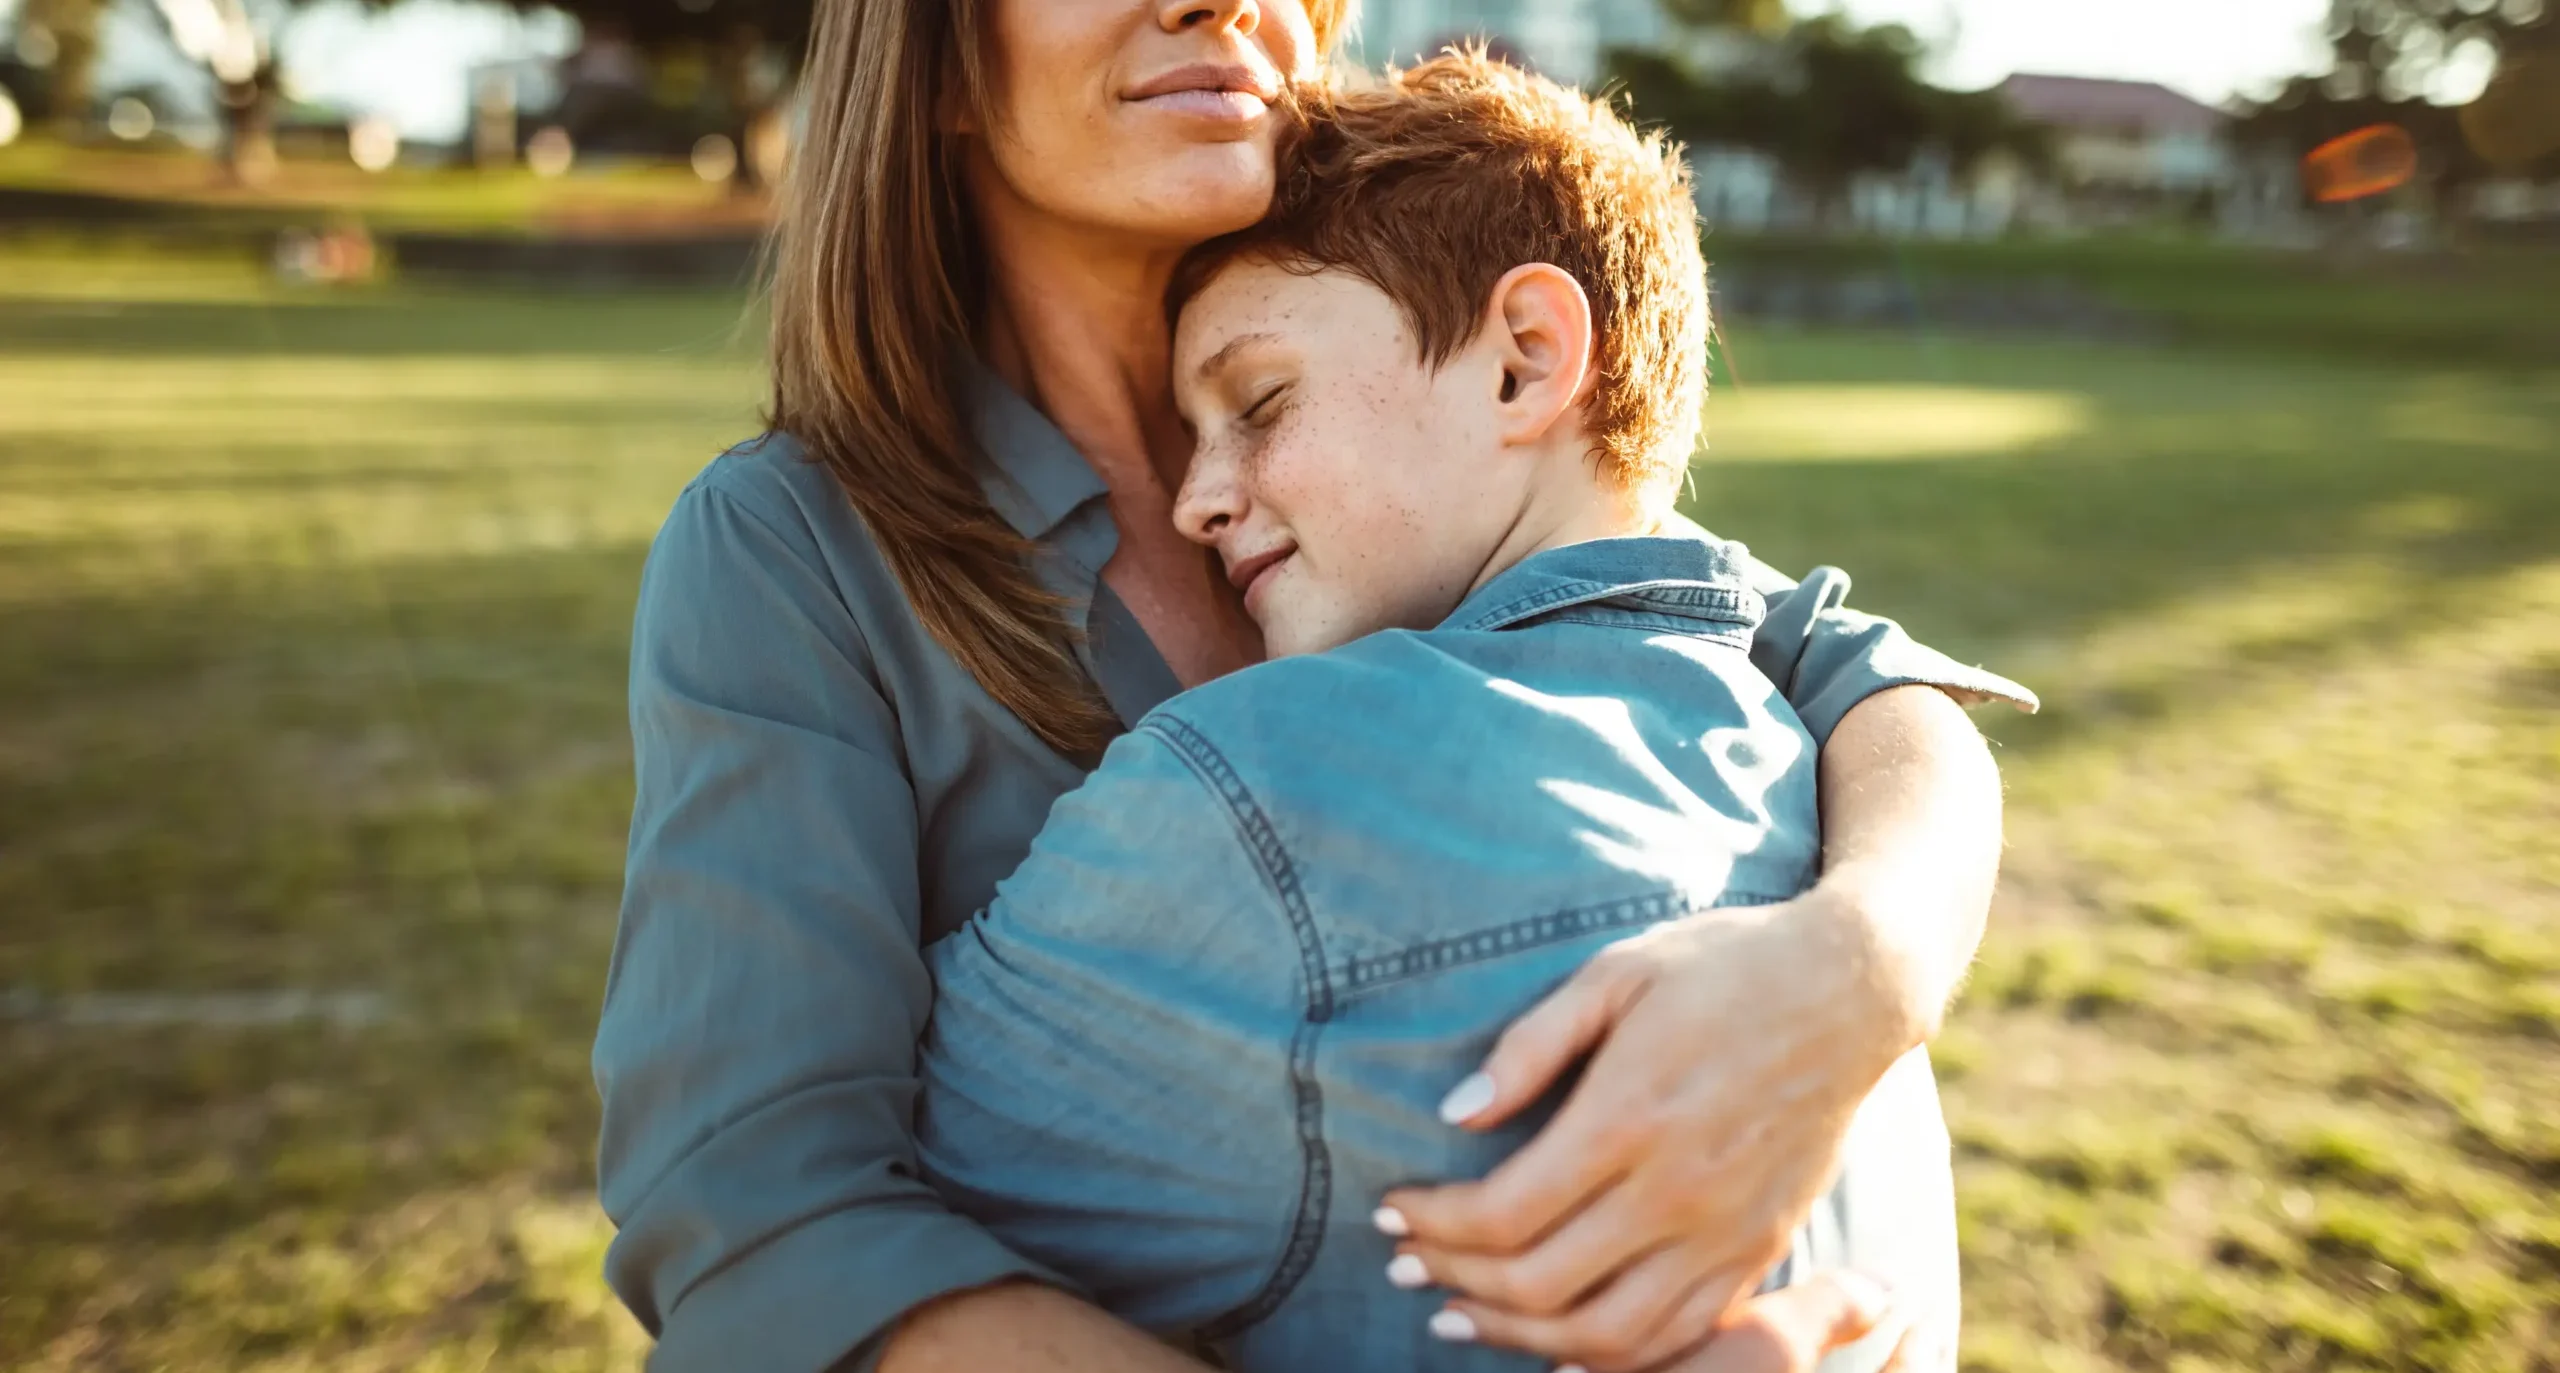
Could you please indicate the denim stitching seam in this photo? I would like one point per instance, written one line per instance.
(1376, 970)
(1732, 603)
(1652, 622)
(1315, 1183)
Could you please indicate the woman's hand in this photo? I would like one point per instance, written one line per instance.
(1734, 1048)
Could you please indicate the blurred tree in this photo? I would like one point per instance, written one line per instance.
(1828, 100)
(236, 47)
(1768, 18)
(1858, 106)
(2389, 56)
(2400, 49)
(750, 47)
(65, 34)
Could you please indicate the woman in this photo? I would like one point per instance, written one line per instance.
(869, 655)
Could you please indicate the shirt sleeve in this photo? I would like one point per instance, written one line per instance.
(1827, 658)
(756, 1056)
(1101, 1082)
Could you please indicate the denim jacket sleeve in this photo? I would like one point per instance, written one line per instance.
(1109, 1071)
(1827, 658)
(756, 1055)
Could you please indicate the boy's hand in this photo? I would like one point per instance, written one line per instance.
(1789, 1330)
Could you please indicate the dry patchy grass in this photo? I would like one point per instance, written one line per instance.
(2259, 1067)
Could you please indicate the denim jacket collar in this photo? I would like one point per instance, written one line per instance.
(1685, 583)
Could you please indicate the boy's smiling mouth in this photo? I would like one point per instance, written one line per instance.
(1250, 575)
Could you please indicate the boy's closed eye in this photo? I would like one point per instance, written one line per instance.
(1267, 408)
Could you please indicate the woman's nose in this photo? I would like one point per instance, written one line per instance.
(1243, 16)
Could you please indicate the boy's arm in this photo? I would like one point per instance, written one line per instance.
(1071, 1016)
(1118, 844)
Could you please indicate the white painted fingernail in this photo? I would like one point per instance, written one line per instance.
(1453, 1326)
(1408, 1271)
(1391, 1222)
(1571, 1368)
(1467, 1099)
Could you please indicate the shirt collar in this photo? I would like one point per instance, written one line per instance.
(1033, 476)
(1689, 579)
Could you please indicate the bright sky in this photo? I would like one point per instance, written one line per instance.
(2210, 49)
(410, 63)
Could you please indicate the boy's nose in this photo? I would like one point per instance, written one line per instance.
(1208, 503)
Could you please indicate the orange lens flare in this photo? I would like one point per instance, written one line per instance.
(2373, 159)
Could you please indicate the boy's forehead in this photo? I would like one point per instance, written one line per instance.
(1235, 305)
(1252, 300)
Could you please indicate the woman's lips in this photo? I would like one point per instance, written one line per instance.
(1233, 106)
(1229, 93)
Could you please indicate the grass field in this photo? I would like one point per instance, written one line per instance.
(636, 195)
(312, 618)
(2484, 305)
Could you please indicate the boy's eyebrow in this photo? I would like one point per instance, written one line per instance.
(1234, 346)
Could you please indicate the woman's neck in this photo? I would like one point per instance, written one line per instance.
(1075, 322)
(1078, 327)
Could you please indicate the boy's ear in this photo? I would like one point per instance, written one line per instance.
(1540, 325)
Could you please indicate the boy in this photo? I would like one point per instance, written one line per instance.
(1441, 397)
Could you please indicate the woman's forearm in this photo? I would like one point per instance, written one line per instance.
(1911, 851)
(1023, 1328)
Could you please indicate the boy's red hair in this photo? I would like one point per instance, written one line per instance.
(1435, 183)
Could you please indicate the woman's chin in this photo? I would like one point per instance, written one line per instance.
(1205, 191)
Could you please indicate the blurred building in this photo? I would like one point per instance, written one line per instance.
(2130, 151)
(2133, 138)
(1562, 38)
(1745, 191)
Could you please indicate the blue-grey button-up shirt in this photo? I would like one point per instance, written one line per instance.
(1205, 1025)
(821, 791)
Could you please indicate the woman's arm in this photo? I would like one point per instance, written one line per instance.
(756, 1055)
(1024, 1328)
(1911, 851)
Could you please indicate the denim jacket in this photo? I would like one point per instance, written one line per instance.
(1206, 1023)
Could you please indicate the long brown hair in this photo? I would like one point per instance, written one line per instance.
(875, 291)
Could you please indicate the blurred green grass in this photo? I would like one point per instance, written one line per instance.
(2484, 305)
(315, 606)
(506, 200)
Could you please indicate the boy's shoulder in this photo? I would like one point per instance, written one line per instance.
(1623, 617)
(1410, 769)
(1372, 689)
